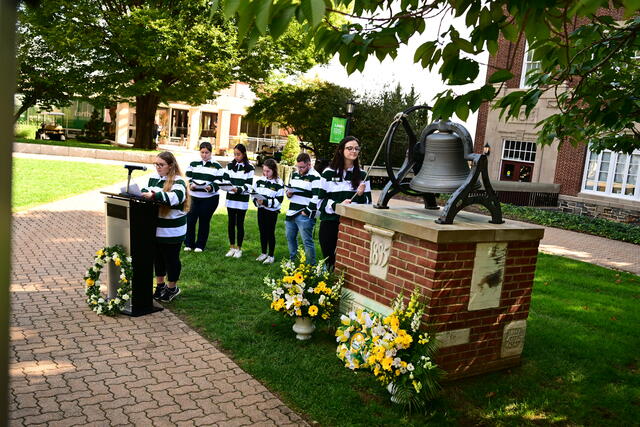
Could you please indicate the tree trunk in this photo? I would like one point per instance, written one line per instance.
(24, 107)
(146, 106)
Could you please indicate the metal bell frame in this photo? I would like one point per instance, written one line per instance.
(460, 198)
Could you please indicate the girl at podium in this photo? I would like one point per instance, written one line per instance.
(343, 182)
(202, 175)
(169, 188)
(239, 173)
(269, 192)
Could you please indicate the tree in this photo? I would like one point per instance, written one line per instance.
(593, 59)
(306, 108)
(156, 51)
(290, 151)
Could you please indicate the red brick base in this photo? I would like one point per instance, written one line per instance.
(443, 273)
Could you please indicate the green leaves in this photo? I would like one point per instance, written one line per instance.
(500, 76)
(313, 10)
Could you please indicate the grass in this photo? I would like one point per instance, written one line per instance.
(580, 362)
(80, 144)
(43, 181)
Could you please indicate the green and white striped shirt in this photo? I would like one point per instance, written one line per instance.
(336, 189)
(202, 174)
(273, 190)
(172, 227)
(306, 198)
(241, 177)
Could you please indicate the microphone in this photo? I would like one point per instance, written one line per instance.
(132, 168)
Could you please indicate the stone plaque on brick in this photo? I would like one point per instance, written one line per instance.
(352, 301)
(380, 250)
(513, 338)
(488, 275)
(454, 337)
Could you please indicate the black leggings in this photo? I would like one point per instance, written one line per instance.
(167, 261)
(267, 221)
(236, 220)
(328, 237)
(202, 210)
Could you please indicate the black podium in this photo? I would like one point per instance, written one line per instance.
(131, 223)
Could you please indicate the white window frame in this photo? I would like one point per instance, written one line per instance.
(527, 65)
(532, 153)
(611, 172)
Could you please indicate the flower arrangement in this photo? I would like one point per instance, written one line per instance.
(394, 348)
(304, 290)
(96, 301)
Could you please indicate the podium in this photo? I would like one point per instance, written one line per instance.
(131, 223)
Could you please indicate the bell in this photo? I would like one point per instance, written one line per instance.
(444, 168)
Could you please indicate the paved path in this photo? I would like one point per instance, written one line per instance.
(71, 367)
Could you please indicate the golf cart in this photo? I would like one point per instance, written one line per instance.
(51, 129)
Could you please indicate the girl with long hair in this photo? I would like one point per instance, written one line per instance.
(271, 190)
(240, 173)
(203, 176)
(343, 182)
(169, 188)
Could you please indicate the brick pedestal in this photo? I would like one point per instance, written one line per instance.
(476, 276)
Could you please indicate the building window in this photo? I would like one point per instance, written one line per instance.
(528, 64)
(518, 158)
(613, 174)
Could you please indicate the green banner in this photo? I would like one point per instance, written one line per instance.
(338, 129)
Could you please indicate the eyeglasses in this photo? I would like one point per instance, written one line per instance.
(159, 165)
(356, 149)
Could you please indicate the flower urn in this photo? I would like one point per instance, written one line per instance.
(303, 328)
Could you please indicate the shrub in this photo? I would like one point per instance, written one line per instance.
(25, 130)
(290, 151)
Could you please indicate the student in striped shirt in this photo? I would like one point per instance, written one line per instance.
(240, 173)
(271, 187)
(342, 182)
(301, 216)
(168, 187)
(202, 176)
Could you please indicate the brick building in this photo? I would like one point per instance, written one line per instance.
(573, 178)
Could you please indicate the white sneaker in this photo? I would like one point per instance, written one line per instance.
(231, 252)
(238, 253)
(187, 249)
(197, 250)
(262, 257)
(268, 260)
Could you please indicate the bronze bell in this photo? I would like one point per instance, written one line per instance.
(444, 168)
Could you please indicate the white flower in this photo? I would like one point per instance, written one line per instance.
(125, 297)
(100, 301)
(310, 290)
(321, 300)
(129, 259)
(410, 367)
(114, 256)
(415, 322)
(353, 315)
(94, 268)
(116, 301)
(99, 309)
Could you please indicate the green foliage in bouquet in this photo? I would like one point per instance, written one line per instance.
(305, 290)
(394, 348)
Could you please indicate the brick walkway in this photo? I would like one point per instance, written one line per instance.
(70, 366)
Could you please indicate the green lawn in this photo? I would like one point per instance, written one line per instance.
(80, 144)
(42, 181)
(580, 363)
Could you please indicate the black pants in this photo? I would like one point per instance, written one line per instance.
(167, 261)
(328, 236)
(236, 220)
(202, 210)
(267, 221)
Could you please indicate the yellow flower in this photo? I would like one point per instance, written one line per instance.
(287, 279)
(298, 277)
(313, 311)
(117, 262)
(90, 282)
(297, 303)
(386, 363)
(298, 312)
(392, 321)
(322, 284)
(325, 315)
(277, 305)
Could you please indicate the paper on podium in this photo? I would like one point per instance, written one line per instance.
(134, 190)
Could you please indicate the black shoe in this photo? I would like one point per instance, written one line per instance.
(169, 294)
(159, 290)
